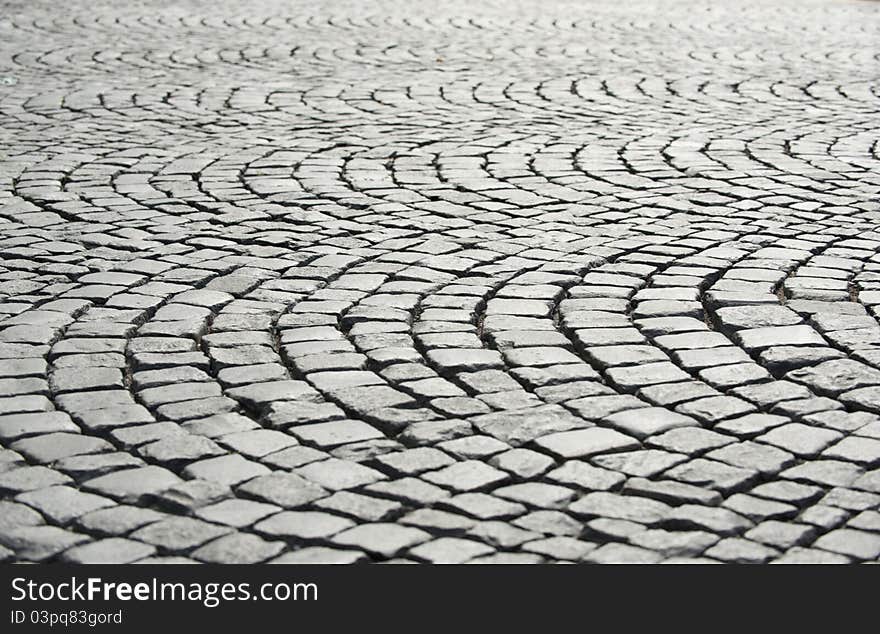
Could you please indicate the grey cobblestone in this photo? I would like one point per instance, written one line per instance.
(458, 282)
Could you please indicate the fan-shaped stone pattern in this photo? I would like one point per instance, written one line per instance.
(367, 281)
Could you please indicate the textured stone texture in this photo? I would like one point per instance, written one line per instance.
(439, 282)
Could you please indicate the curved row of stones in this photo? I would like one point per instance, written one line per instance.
(574, 302)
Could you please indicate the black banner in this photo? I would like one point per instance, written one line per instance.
(125, 597)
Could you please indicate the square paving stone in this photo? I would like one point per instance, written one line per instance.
(852, 543)
(190, 495)
(469, 475)
(14, 514)
(25, 404)
(716, 408)
(745, 317)
(257, 443)
(465, 359)
(758, 509)
(538, 357)
(550, 523)
(365, 399)
(229, 470)
(293, 457)
(197, 408)
(643, 463)
(117, 520)
(100, 420)
(622, 554)
(51, 447)
(787, 491)
(473, 447)
(62, 504)
(690, 440)
(586, 476)
(14, 426)
(751, 455)
(586, 442)
(741, 551)
(414, 461)
(713, 519)
(713, 474)
(382, 539)
(671, 394)
(755, 339)
(824, 472)
(851, 499)
(632, 378)
(674, 543)
(554, 375)
(287, 490)
(362, 507)
(647, 421)
(831, 378)
(79, 379)
(672, 492)
(38, 543)
(750, 425)
(863, 451)
(130, 485)
(28, 478)
(434, 431)
(799, 439)
(613, 505)
(179, 534)
(501, 535)
(598, 407)
(781, 535)
(335, 474)
(625, 355)
(236, 512)
(437, 520)
(483, 506)
(238, 548)
(218, 425)
(137, 435)
(113, 550)
(811, 556)
(537, 494)
(180, 449)
(450, 550)
(321, 555)
(335, 433)
(517, 427)
(523, 463)
(302, 526)
(288, 413)
(571, 391)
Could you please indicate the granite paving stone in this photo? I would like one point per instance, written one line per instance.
(339, 282)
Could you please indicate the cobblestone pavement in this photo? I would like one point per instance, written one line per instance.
(440, 281)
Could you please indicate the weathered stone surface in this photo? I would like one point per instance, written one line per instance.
(177, 534)
(385, 540)
(833, 377)
(130, 485)
(303, 525)
(113, 550)
(636, 509)
(62, 504)
(238, 548)
(38, 543)
(284, 489)
(583, 443)
(452, 299)
(518, 427)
